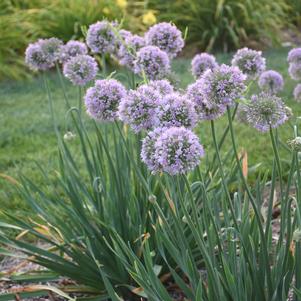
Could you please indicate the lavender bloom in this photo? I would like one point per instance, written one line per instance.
(148, 150)
(101, 37)
(43, 54)
(138, 108)
(294, 71)
(153, 62)
(297, 93)
(271, 81)
(167, 37)
(176, 110)
(103, 99)
(71, 49)
(265, 111)
(36, 59)
(294, 56)
(178, 150)
(206, 110)
(202, 62)
(250, 62)
(222, 86)
(80, 69)
(163, 86)
(127, 51)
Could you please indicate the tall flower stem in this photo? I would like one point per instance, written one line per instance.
(80, 101)
(223, 174)
(253, 203)
(104, 66)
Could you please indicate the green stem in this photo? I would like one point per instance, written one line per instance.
(253, 203)
(80, 101)
(104, 66)
(223, 174)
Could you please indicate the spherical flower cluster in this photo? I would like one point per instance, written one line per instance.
(294, 71)
(138, 108)
(177, 150)
(101, 37)
(103, 99)
(222, 86)
(250, 62)
(80, 69)
(176, 110)
(127, 51)
(167, 37)
(72, 49)
(152, 62)
(271, 81)
(163, 86)
(43, 54)
(120, 40)
(206, 110)
(297, 93)
(202, 62)
(148, 149)
(294, 56)
(265, 111)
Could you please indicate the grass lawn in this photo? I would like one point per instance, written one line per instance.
(27, 136)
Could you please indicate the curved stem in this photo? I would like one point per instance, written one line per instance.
(253, 203)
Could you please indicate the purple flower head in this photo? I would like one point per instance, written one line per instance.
(80, 69)
(265, 111)
(163, 86)
(43, 54)
(152, 62)
(101, 37)
(103, 99)
(128, 50)
(120, 40)
(250, 62)
(71, 49)
(294, 71)
(138, 108)
(178, 150)
(177, 110)
(222, 86)
(205, 110)
(271, 81)
(148, 150)
(202, 62)
(294, 56)
(167, 37)
(297, 93)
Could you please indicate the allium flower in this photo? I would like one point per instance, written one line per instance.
(148, 150)
(222, 86)
(205, 110)
(163, 86)
(80, 69)
(297, 93)
(138, 108)
(167, 37)
(202, 62)
(294, 56)
(43, 54)
(153, 62)
(101, 37)
(176, 110)
(295, 144)
(265, 111)
(271, 81)
(178, 150)
(71, 49)
(294, 71)
(128, 50)
(103, 99)
(249, 61)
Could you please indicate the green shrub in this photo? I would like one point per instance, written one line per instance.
(225, 24)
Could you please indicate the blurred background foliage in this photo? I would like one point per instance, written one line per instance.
(213, 25)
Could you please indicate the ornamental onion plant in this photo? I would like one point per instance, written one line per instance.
(140, 209)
